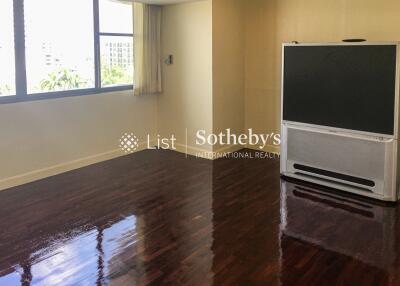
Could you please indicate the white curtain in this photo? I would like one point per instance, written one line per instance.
(147, 49)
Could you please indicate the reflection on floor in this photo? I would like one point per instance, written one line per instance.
(351, 238)
(158, 218)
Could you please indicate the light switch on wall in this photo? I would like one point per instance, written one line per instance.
(169, 60)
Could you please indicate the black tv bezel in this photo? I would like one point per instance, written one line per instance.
(337, 129)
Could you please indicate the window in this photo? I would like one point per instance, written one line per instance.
(116, 43)
(116, 67)
(109, 23)
(7, 55)
(64, 48)
(59, 45)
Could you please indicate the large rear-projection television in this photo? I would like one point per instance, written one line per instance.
(340, 118)
(342, 86)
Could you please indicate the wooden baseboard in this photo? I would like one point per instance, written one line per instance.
(192, 151)
(39, 174)
(268, 148)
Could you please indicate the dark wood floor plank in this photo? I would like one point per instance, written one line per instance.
(159, 218)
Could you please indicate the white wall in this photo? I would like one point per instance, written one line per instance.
(50, 136)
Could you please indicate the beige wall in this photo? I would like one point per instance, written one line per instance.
(269, 23)
(228, 66)
(51, 136)
(187, 98)
(261, 76)
(204, 88)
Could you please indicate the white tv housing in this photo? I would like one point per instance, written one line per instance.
(360, 162)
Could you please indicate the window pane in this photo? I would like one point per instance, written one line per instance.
(7, 57)
(116, 60)
(115, 17)
(59, 45)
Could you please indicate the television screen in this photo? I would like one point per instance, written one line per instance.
(342, 86)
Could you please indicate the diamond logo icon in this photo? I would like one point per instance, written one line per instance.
(129, 143)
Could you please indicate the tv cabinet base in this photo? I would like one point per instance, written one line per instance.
(360, 164)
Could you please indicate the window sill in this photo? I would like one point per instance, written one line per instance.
(61, 94)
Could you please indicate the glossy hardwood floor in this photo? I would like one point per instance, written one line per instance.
(157, 218)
